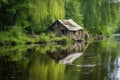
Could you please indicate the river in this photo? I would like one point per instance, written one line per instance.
(98, 60)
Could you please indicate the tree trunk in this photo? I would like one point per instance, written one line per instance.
(1, 25)
(33, 33)
(15, 18)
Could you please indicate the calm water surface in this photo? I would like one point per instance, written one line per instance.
(80, 61)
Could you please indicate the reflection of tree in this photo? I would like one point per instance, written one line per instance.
(20, 62)
(109, 54)
(115, 75)
(96, 60)
(114, 70)
(34, 63)
(15, 53)
(44, 68)
(89, 63)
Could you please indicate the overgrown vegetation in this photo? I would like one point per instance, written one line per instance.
(18, 19)
(16, 35)
(100, 16)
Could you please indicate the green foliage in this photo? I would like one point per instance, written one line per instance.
(15, 34)
(38, 10)
(4, 36)
(44, 38)
(43, 12)
(72, 10)
(118, 24)
(16, 31)
(4, 1)
(36, 16)
(56, 11)
(52, 37)
(100, 16)
(64, 38)
(11, 11)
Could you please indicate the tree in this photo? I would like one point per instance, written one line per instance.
(72, 10)
(100, 16)
(11, 12)
(42, 12)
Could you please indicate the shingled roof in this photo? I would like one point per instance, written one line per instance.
(70, 25)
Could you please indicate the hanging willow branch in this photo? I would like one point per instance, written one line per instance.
(100, 15)
(41, 10)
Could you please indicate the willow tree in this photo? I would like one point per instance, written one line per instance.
(72, 10)
(44, 11)
(118, 29)
(100, 16)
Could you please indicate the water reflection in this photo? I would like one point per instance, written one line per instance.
(79, 61)
(33, 62)
(73, 52)
(70, 58)
(116, 72)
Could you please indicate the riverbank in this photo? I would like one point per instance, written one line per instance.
(96, 37)
(18, 36)
(14, 39)
(43, 38)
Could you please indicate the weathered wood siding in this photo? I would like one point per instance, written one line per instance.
(77, 47)
(76, 34)
(60, 30)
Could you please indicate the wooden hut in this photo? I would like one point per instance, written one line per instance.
(68, 28)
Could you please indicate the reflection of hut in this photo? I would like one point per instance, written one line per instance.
(70, 58)
(59, 54)
(69, 55)
(68, 28)
(76, 47)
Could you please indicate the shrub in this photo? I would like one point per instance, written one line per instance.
(64, 38)
(44, 37)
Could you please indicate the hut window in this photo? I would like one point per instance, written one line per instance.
(52, 29)
(75, 33)
(63, 32)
